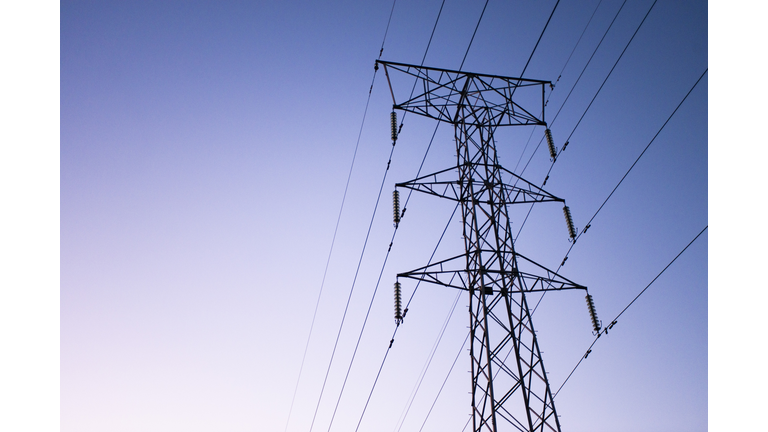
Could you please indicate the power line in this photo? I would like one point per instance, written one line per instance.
(555, 86)
(534, 48)
(612, 69)
(473, 34)
(404, 208)
(431, 356)
(540, 36)
(333, 241)
(615, 320)
(362, 329)
(435, 131)
(573, 87)
(589, 224)
(587, 109)
(598, 93)
(466, 338)
(577, 44)
(394, 333)
(408, 198)
(588, 61)
(642, 153)
(330, 253)
(386, 31)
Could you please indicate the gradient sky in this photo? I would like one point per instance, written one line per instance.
(205, 148)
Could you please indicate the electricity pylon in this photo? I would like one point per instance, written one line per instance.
(510, 390)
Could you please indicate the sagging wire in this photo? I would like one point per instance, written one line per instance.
(589, 223)
(373, 296)
(397, 326)
(466, 338)
(574, 239)
(615, 320)
(554, 158)
(554, 85)
(612, 69)
(394, 139)
(431, 356)
(336, 229)
(567, 140)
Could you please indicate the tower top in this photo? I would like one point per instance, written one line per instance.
(471, 98)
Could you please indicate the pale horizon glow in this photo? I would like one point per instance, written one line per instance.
(205, 149)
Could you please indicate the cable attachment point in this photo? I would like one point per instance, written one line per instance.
(393, 120)
(398, 304)
(396, 207)
(551, 144)
(593, 315)
(569, 222)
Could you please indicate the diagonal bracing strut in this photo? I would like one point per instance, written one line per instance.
(506, 395)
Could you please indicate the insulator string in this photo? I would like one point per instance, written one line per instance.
(590, 104)
(569, 222)
(550, 144)
(615, 320)
(398, 304)
(596, 324)
(335, 232)
(373, 297)
(589, 223)
(555, 86)
(393, 125)
(390, 245)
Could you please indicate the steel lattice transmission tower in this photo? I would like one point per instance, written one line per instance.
(510, 390)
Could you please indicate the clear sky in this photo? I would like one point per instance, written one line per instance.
(205, 149)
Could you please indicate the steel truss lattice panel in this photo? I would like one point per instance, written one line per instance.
(510, 390)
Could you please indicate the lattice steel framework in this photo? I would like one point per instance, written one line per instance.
(510, 390)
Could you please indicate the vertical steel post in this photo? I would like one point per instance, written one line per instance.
(510, 390)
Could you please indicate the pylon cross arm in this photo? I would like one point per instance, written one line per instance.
(446, 94)
(452, 273)
(443, 184)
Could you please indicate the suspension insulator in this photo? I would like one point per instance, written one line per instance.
(396, 206)
(550, 144)
(393, 119)
(569, 222)
(593, 315)
(398, 304)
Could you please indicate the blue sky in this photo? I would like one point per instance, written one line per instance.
(204, 152)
